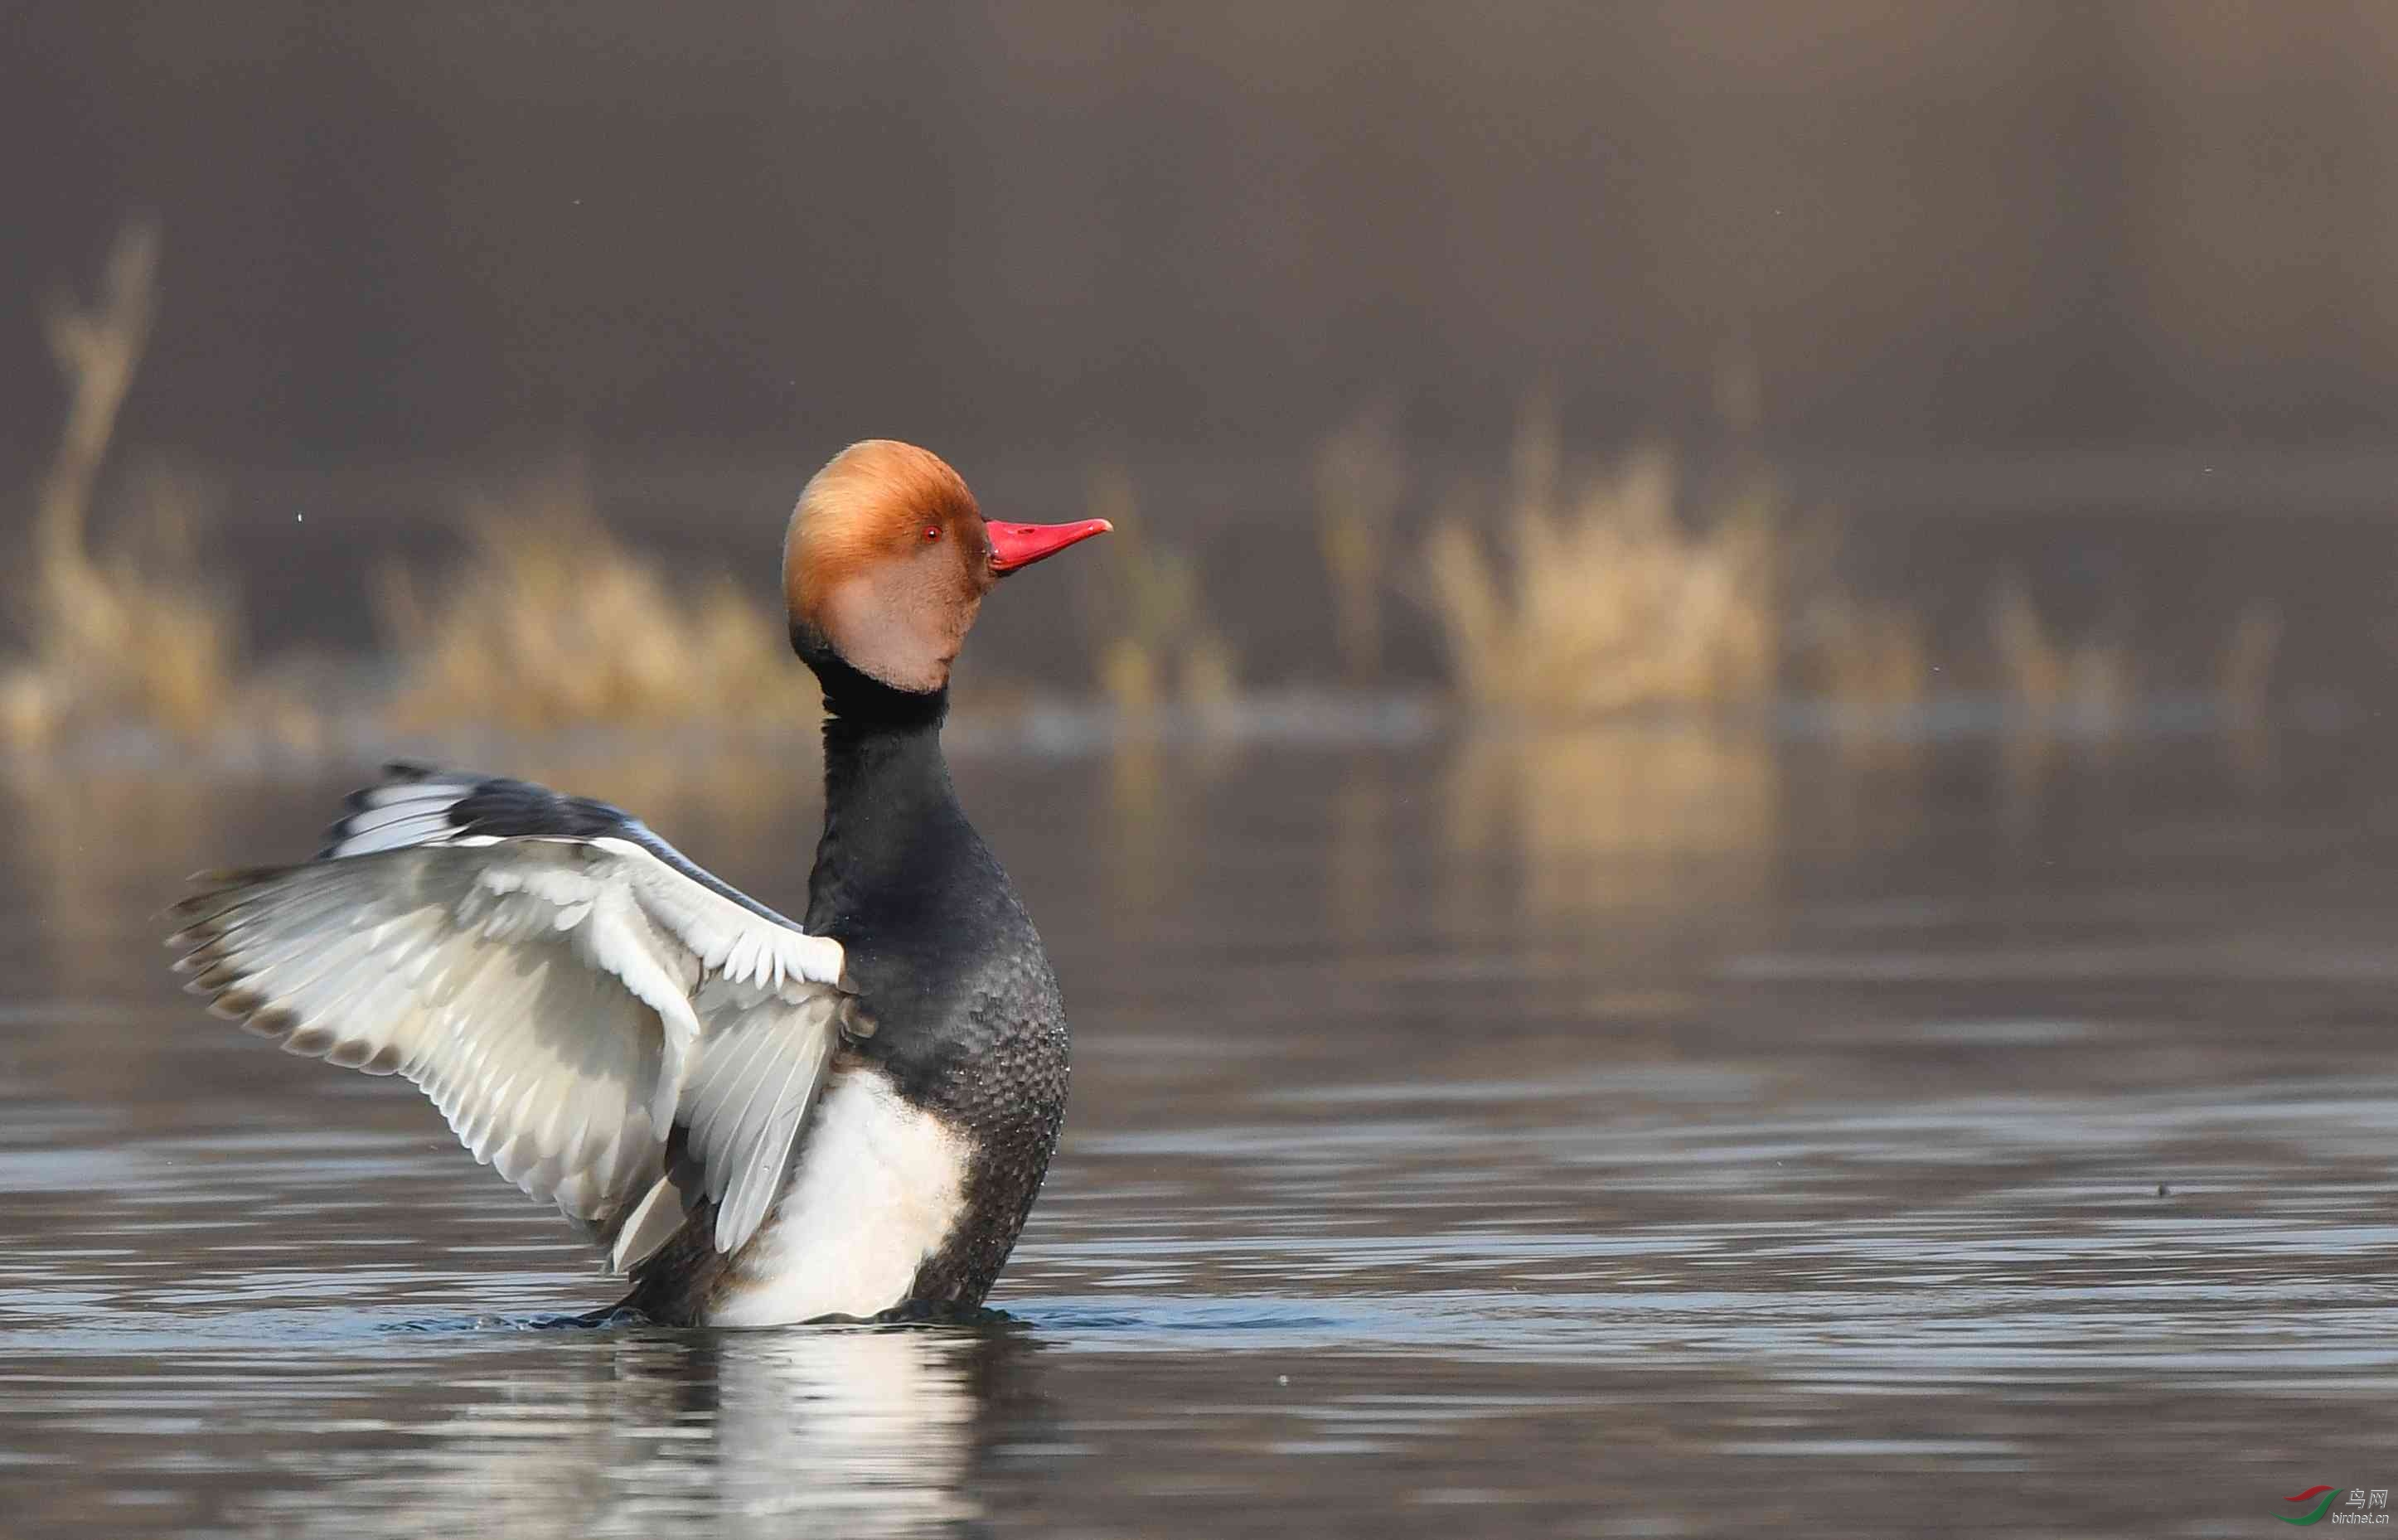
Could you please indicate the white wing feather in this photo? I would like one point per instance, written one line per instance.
(564, 1003)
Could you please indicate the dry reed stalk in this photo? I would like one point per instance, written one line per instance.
(1360, 476)
(2243, 680)
(139, 631)
(1870, 653)
(1608, 602)
(1153, 638)
(2245, 675)
(2047, 677)
(553, 622)
(2032, 666)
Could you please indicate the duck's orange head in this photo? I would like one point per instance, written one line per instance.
(887, 558)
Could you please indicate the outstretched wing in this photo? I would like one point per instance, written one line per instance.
(565, 987)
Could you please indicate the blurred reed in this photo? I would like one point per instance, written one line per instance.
(137, 630)
(1870, 653)
(1360, 476)
(551, 621)
(2244, 681)
(1626, 589)
(1607, 598)
(2090, 682)
(1147, 616)
(2244, 672)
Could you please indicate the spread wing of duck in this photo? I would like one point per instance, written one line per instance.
(570, 992)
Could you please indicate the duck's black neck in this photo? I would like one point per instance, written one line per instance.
(891, 819)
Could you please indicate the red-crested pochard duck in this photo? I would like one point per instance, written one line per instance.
(761, 1121)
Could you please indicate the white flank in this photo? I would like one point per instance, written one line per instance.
(879, 1186)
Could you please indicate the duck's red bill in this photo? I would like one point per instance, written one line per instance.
(1014, 545)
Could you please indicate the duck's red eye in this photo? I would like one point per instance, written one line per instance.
(931, 532)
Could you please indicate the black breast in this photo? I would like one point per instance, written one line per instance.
(968, 1022)
(965, 1015)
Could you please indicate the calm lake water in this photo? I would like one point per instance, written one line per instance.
(1648, 1131)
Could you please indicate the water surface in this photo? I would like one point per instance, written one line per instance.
(1652, 1131)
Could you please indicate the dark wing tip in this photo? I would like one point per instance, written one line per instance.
(314, 1042)
(216, 974)
(237, 1004)
(217, 894)
(212, 893)
(275, 1021)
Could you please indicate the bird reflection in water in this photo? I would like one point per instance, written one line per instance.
(862, 1431)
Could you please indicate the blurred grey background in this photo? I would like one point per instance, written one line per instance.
(413, 229)
(2042, 275)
